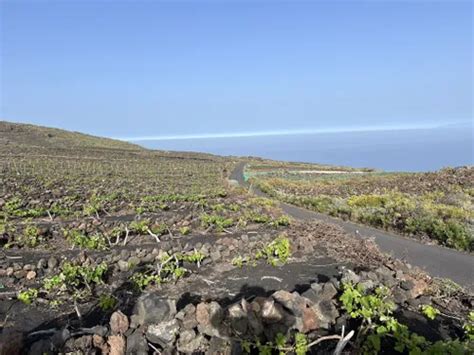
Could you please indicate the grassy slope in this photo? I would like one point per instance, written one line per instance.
(26, 135)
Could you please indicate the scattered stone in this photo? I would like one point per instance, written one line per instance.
(99, 330)
(117, 344)
(137, 344)
(215, 255)
(124, 254)
(123, 265)
(83, 342)
(152, 308)
(238, 319)
(329, 291)
(60, 337)
(349, 276)
(118, 323)
(52, 262)
(310, 320)
(189, 319)
(9, 271)
(253, 310)
(209, 317)
(42, 263)
(386, 276)
(28, 267)
(133, 261)
(272, 312)
(188, 342)
(220, 346)
(99, 342)
(164, 333)
(20, 274)
(400, 296)
(326, 312)
(31, 275)
(419, 288)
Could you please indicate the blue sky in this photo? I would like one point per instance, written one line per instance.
(163, 68)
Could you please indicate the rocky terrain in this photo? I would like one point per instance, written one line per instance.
(108, 248)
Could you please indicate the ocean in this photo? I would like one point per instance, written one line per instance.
(394, 150)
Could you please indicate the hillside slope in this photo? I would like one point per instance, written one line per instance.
(26, 135)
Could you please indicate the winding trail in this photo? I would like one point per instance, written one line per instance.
(435, 260)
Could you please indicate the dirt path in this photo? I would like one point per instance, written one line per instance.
(435, 260)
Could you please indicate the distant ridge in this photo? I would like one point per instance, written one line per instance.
(31, 136)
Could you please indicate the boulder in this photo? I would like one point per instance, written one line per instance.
(123, 265)
(100, 343)
(272, 312)
(137, 344)
(189, 318)
(310, 321)
(189, 342)
(253, 310)
(415, 287)
(326, 313)
(220, 346)
(118, 323)
(320, 292)
(52, 263)
(238, 319)
(152, 308)
(117, 344)
(349, 276)
(209, 317)
(164, 333)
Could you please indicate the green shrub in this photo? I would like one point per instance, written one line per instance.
(74, 277)
(107, 302)
(31, 236)
(140, 227)
(184, 230)
(367, 201)
(282, 221)
(375, 311)
(219, 222)
(95, 242)
(278, 251)
(28, 296)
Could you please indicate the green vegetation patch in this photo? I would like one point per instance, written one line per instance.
(374, 309)
(446, 217)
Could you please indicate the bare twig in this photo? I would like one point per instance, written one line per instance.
(160, 266)
(8, 294)
(154, 348)
(13, 257)
(271, 278)
(343, 341)
(126, 235)
(77, 310)
(209, 282)
(153, 235)
(43, 332)
(327, 337)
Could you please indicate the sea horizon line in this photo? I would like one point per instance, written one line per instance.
(288, 132)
